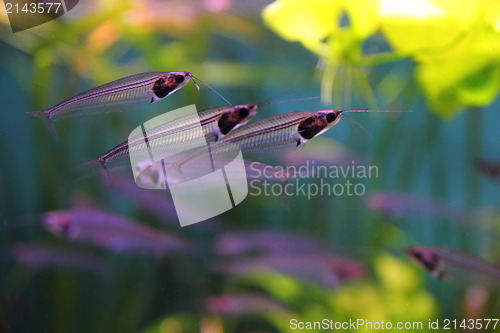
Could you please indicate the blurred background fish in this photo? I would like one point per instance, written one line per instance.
(111, 231)
(397, 204)
(266, 242)
(450, 264)
(488, 168)
(324, 269)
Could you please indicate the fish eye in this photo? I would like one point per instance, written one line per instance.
(243, 112)
(179, 78)
(331, 117)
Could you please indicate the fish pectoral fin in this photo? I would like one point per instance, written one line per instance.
(155, 99)
(296, 135)
(300, 140)
(211, 137)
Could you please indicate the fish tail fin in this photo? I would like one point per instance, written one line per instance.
(88, 169)
(46, 120)
(38, 114)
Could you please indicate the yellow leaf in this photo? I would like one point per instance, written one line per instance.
(303, 21)
(438, 76)
(464, 12)
(362, 16)
(415, 25)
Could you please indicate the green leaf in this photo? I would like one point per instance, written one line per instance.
(481, 88)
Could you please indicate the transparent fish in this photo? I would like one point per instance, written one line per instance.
(144, 88)
(278, 133)
(215, 122)
(179, 137)
(111, 231)
(449, 264)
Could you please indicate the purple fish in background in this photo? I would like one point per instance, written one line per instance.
(488, 168)
(111, 231)
(241, 304)
(449, 264)
(326, 270)
(264, 241)
(44, 257)
(396, 204)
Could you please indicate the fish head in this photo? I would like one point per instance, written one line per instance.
(60, 224)
(169, 83)
(235, 117)
(428, 259)
(318, 123)
(382, 203)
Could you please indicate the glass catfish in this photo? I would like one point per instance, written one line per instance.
(281, 132)
(277, 133)
(144, 88)
(215, 122)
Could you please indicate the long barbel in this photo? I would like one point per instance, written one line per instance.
(145, 88)
(215, 123)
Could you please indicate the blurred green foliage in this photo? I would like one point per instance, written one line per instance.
(454, 43)
(395, 296)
